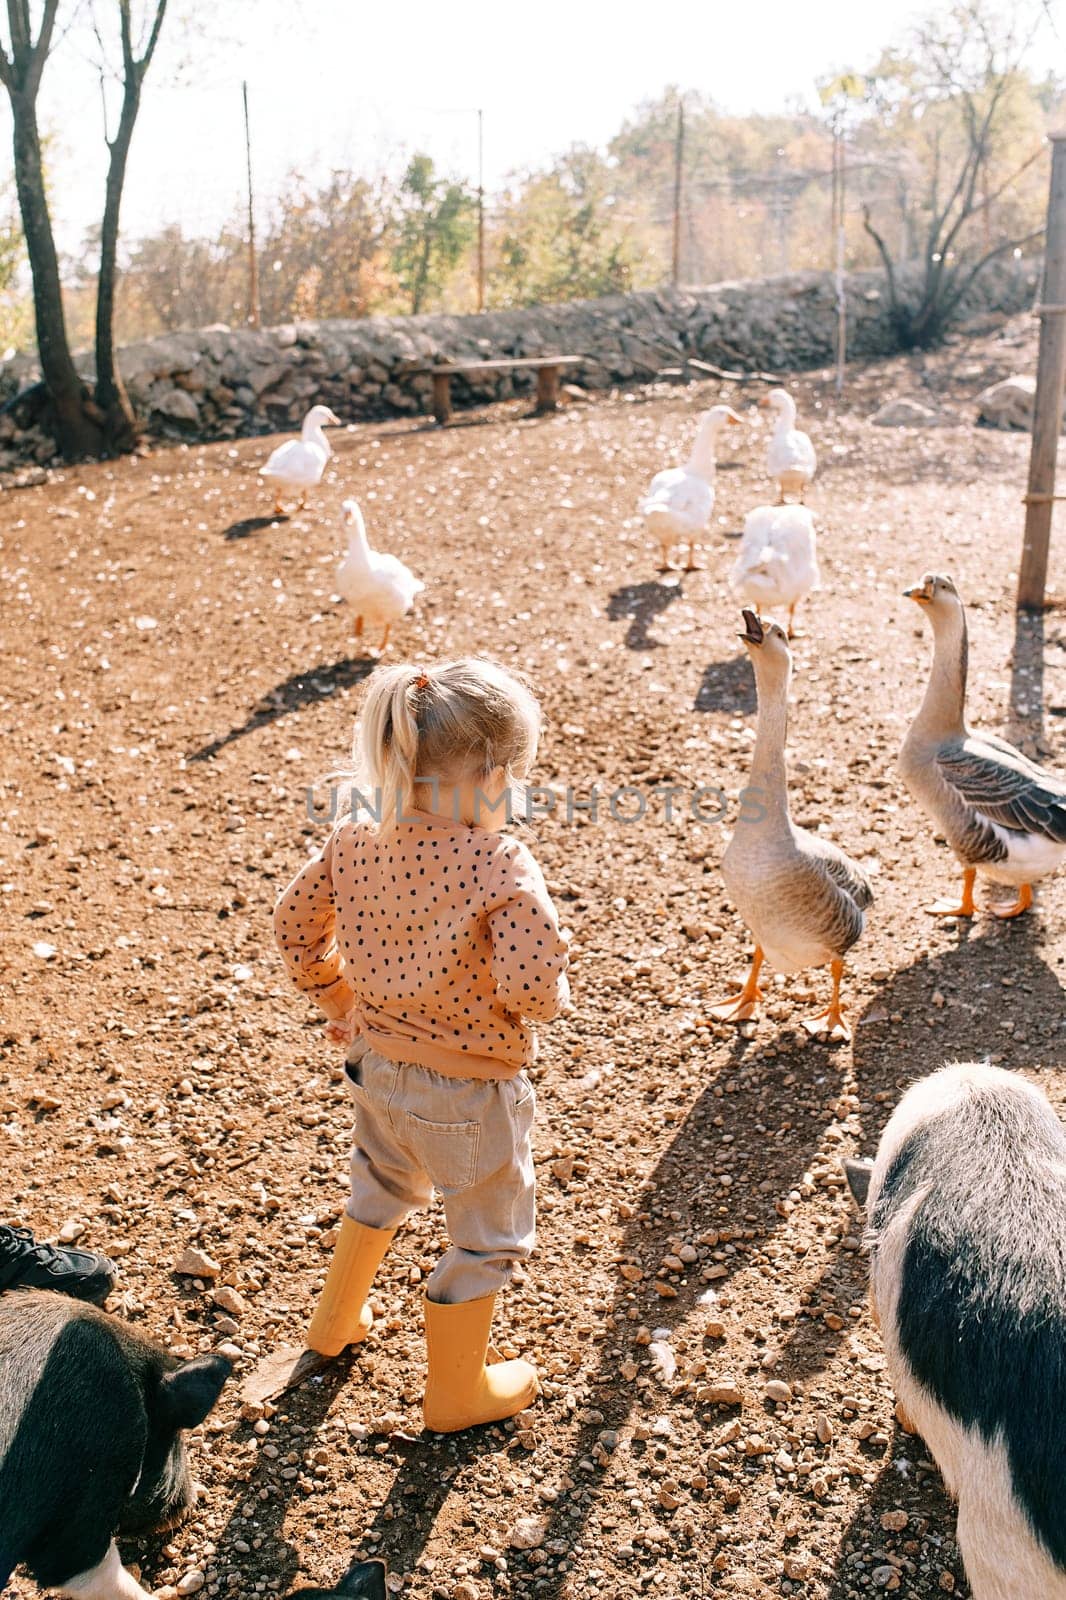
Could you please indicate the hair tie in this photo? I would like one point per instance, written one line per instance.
(422, 681)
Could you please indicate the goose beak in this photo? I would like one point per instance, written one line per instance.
(333, 421)
(753, 628)
(734, 421)
(764, 402)
(919, 593)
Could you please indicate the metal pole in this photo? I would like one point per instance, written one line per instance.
(1050, 379)
(842, 303)
(253, 264)
(481, 211)
(679, 153)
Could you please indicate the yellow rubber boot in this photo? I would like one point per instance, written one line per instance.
(342, 1316)
(461, 1390)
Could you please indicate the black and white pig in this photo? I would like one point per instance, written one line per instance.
(966, 1229)
(91, 1420)
(365, 1581)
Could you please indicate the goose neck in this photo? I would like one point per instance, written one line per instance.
(943, 709)
(768, 771)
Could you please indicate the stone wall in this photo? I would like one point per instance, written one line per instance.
(221, 383)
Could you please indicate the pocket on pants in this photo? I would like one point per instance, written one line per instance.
(447, 1150)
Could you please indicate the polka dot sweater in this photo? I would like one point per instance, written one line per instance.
(440, 939)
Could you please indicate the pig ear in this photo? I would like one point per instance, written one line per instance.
(190, 1392)
(366, 1581)
(858, 1176)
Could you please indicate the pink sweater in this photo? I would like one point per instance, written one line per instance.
(440, 940)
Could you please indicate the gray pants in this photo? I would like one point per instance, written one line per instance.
(469, 1138)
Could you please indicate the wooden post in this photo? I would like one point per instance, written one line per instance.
(481, 211)
(547, 389)
(1050, 377)
(679, 156)
(442, 397)
(253, 264)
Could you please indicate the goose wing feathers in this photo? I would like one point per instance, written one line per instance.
(1007, 788)
(839, 868)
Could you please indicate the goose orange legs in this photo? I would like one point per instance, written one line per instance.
(745, 1005)
(1023, 902)
(831, 1021)
(965, 906)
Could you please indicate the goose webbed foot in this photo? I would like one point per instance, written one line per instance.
(1023, 902)
(964, 906)
(831, 1023)
(744, 1006)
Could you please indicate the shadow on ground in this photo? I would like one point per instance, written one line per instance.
(302, 689)
(727, 687)
(250, 525)
(640, 604)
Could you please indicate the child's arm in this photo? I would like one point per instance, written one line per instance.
(305, 931)
(529, 953)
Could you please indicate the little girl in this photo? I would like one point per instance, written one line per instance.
(431, 938)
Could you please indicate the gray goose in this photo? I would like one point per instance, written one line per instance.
(1003, 816)
(803, 900)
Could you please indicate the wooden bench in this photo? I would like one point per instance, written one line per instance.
(547, 369)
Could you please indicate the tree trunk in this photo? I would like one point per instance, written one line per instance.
(111, 396)
(78, 432)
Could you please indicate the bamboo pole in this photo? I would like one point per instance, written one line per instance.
(1050, 379)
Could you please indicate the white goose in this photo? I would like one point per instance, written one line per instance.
(297, 466)
(1003, 816)
(778, 561)
(679, 501)
(378, 586)
(790, 457)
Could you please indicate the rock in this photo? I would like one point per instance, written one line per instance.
(193, 1263)
(192, 1582)
(894, 1521)
(778, 1392)
(528, 1533)
(1008, 404)
(721, 1392)
(180, 405)
(228, 1299)
(71, 1232)
(905, 414)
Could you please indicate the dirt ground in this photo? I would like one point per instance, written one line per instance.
(177, 672)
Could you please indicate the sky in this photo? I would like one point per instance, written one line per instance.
(339, 83)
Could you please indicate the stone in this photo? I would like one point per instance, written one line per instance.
(192, 1582)
(179, 404)
(721, 1392)
(905, 414)
(193, 1263)
(228, 1299)
(1008, 404)
(528, 1533)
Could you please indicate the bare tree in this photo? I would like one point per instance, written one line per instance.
(111, 397)
(84, 424)
(955, 100)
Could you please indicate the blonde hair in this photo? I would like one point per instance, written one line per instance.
(454, 722)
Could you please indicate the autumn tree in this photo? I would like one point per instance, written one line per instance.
(85, 424)
(560, 235)
(435, 227)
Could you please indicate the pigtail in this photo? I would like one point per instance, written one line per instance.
(387, 745)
